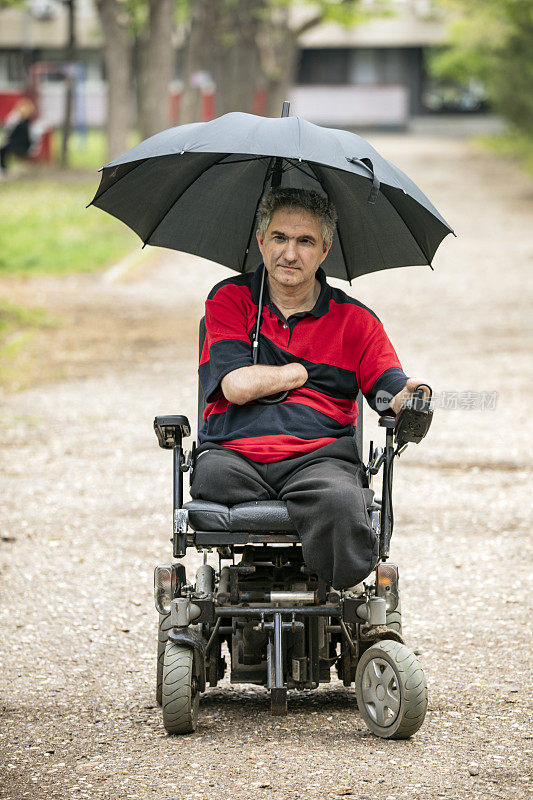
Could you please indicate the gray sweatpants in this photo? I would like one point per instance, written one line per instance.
(326, 496)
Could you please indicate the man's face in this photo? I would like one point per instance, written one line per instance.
(292, 247)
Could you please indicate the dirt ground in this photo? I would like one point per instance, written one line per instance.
(86, 514)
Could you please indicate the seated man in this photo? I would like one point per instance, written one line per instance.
(321, 346)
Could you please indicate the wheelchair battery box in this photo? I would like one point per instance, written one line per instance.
(413, 420)
(171, 429)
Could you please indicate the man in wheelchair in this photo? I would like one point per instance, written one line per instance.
(319, 345)
(284, 361)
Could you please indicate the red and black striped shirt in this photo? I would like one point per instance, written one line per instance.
(341, 343)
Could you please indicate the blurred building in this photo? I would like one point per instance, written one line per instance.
(32, 42)
(373, 74)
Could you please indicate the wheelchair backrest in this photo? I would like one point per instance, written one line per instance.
(202, 404)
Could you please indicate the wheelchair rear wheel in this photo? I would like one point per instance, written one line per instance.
(180, 695)
(391, 691)
(394, 618)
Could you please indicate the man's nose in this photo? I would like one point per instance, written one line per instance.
(290, 253)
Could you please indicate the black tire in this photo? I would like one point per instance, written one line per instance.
(180, 694)
(162, 635)
(394, 618)
(391, 691)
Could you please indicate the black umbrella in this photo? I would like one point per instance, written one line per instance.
(196, 188)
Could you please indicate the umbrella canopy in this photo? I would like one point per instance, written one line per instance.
(196, 188)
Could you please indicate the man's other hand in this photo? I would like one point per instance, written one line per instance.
(249, 383)
(399, 399)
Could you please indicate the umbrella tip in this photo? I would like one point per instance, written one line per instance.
(432, 268)
(285, 109)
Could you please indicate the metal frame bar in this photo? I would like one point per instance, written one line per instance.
(265, 611)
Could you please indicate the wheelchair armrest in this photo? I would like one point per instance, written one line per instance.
(171, 429)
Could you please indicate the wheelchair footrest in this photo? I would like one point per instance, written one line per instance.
(278, 702)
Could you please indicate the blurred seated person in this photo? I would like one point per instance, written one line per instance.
(17, 138)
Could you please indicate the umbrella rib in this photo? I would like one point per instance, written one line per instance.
(348, 276)
(265, 179)
(98, 196)
(171, 206)
(302, 170)
(239, 161)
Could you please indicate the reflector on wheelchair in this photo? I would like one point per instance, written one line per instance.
(165, 579)
(387, 584)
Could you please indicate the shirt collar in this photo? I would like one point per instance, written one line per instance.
(321, 306)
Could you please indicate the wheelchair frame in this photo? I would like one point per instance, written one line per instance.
(284, 626)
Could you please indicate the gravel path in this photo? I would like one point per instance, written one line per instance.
(86, 509)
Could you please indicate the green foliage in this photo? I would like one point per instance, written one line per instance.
(346, 12)
(492, 40)
(343, 12)
(138, 13)
(512, 144)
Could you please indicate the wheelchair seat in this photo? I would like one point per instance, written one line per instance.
(258, 516)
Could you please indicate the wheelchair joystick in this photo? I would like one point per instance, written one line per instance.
(413, 419)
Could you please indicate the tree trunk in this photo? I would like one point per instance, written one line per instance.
(156, 68)
(282, 79)
(279, 53)
(233, 53)
(70, 57)
(117, 54)
(194, 62)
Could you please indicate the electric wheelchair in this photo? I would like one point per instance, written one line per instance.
(284, 627)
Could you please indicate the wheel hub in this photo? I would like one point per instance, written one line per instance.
(381, 693)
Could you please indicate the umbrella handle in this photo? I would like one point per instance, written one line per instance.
(266, 401)
(270, 401)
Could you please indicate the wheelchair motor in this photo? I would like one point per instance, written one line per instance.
(276, 621)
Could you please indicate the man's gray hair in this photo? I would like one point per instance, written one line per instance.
(304, 199)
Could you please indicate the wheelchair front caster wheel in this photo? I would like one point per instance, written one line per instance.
(391, 691)
(180, 695)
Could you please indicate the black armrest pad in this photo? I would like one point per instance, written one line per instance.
(171, 429)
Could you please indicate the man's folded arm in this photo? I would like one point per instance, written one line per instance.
(259, 380)
(226, 363)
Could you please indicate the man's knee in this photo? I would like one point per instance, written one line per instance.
(338, 498)
(342, 502)
(223, 477)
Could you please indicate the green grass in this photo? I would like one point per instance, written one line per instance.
(17, 327)
(511, 144)
(15, 317)
(45, 227)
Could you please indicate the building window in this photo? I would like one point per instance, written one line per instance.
(323, 66)
(364, 67)
(12, 69)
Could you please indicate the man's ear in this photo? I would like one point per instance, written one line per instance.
(326, 251)
(260, 240)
